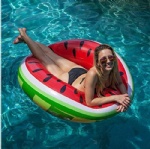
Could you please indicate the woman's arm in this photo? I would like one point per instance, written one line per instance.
(90, 84)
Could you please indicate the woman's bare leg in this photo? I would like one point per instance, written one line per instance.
(61, 62)
(39, 54)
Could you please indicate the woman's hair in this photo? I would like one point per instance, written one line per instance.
(113, 73)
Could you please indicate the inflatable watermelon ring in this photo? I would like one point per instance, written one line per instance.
(60, 98)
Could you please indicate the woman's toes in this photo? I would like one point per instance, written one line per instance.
(18, 40)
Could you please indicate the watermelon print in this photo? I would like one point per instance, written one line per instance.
(61, 99)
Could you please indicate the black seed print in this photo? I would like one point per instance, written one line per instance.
(63, 89)
(100, 106)
(121, 73)
(47, 78)
(81, 44)
(81, 99)
(89, 52)
(75, 91)
(66, 44)
(58, 80)
(74, 52)
(36, 70)
(32, 62)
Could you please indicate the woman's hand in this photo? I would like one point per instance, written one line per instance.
(123, 100)
(121, 108)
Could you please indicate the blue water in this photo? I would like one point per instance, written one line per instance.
(124, 24)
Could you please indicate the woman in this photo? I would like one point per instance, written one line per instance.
(103, 74)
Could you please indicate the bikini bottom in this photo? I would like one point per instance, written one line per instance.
(74, 73)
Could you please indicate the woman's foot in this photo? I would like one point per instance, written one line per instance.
(20, 38)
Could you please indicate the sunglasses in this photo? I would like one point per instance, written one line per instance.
(103, 60)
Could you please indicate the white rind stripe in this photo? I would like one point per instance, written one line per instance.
(61, 97)
(129, 83)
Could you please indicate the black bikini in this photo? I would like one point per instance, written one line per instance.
(74, 73)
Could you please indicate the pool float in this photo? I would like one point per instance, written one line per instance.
(60, 98)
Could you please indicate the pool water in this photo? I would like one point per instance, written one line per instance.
(123, 24)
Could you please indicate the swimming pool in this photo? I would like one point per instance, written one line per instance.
(122, 24)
